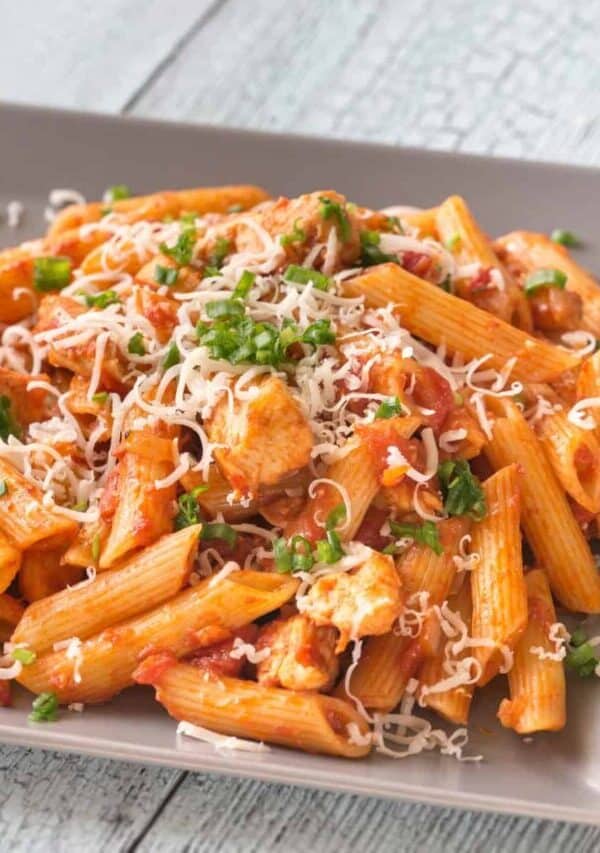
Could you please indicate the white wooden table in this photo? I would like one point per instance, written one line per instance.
(501, 77)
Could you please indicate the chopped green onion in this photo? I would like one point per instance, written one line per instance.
(336, 517)
(425, 534)
(390, 408)
(220, 530)
(394, 224)
(101, 300)
(44, 708)
(581, 655)
(578, 637)
(96, 548)
(282, 556)
(544, 278)
(319, 333)
(305, 275)
(100, 397)
(188, 218)
(298, 235)
(183, 249)
(461, 490)
(244, 285)
(565, 238)
(8, 424)
(3, 488)
(235, 208)
(172, 357)
(452, 242)
(221, 250)
(329, 550)
(136, 344)
(24, 656)
(371, 254)
(51, 273)
(116, 193)
(301, 551)
(334, 210)
(224, 309)
(165, 275)
(188, 511)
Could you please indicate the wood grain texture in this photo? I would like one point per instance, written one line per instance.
(503, 78)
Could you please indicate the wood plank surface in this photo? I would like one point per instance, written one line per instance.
(520, 79)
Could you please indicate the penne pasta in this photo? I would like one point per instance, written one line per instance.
(497, 584)
(197, 617)
(301, 720)
(158, 206)
(441, 318)
(154, 575)
(43, 573)
(547, 519)
(537, 678)
(10, 561)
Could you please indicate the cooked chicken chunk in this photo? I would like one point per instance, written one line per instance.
(302, 654)
(363, 601)
(265, 437)
(308, 221)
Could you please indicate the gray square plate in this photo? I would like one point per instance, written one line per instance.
(553, 776)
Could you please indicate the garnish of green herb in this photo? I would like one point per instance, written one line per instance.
(225, 309)
(544, 278)
(219, 530)
(336, 517)
(425, 534)
(96, 548)
(44, 708)
(371, 254)
(390, 408)
(24, 656)
(165, 275)
(565, 238)
(8, 424)
(136, 344)
(319, 333)
(581, 655)
(282, 556)
(305, 275)
(244, 285)
(116, 193)
(101, 300)
(189, 217)
(51, 273)
(394, 224)
(452, 242)
(297, 235)
(461, 490)
(100, 397)
(172, 357)
(329, 550)
(188, 511)
(219, 253)
(183, 249)
(334, 210)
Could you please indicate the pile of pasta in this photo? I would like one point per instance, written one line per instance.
(313, 472)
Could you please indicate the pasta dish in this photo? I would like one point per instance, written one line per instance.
(314, 473)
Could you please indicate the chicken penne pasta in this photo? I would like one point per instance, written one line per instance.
(305, 721)
(497, 585)
(282, 460)
(537, 678)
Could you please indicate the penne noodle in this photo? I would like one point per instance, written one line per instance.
(454, 703)
(10, 561)
(547, 519)
(536, 251)
(159, 205)
(24, 519)
(389, 661)
(441, 318)
(537, 685)
(43, 573)
(197, 617)
(11, 611)
(300, 720)
(458, 229)
(497, 584)
(154, 575)
(574, 454)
